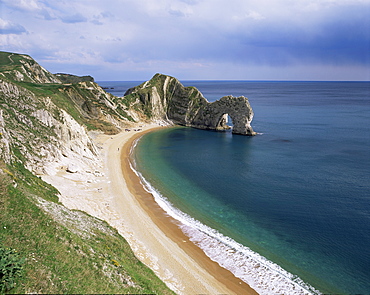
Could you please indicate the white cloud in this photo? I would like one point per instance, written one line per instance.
(169, 34)
(26, 5)
(13, 43)
(7, 27)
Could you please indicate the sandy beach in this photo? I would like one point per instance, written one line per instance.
(115, 194)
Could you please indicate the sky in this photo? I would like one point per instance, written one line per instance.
(131, 40)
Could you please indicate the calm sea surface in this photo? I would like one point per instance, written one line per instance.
(298, 193)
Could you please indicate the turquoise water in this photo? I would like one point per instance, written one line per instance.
(298, 193)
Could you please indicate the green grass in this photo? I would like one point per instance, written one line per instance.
(57, 93)
(14, 60)
(61, 95)
(67, 78)
(83, 255)
(11, 62)
(71, 97)
(65, 251)
(4, 59)
(7, 63)
(41, 89)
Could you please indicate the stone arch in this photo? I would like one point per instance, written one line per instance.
(239, 110)
(167, 99)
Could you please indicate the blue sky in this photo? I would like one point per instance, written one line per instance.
(193, 39)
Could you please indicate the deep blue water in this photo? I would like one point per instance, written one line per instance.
(298, 193)
(118, 88)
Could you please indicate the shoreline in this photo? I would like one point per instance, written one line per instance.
(107, 188)
(223, 278)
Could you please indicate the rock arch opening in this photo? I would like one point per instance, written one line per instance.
(225, 122)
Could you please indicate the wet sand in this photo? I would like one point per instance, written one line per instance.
(107, 188)
(193, 270)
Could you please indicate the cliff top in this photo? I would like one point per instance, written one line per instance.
(68, 78)
(23, 68)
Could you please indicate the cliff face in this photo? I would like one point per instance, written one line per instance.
(36, 132)
(23, 68)
(45, 121)
(47, 126)
(47, 132)
(165, 98)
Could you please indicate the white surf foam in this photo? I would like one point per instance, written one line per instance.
(264, 276)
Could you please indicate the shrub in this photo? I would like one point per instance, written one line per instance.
(11, 266)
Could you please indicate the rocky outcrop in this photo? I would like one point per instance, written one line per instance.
(23, 68)
(48, 122)
(4, 140)
(48, 127)
(164, 98)
(36, 132)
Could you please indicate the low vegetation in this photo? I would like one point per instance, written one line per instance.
(11, 266)
(56, 250)
(45, 247)
(67, 78)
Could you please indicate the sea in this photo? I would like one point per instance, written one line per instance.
(288, 210)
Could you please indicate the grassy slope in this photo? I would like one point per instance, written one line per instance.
(66, 251)
(9, 63)
(68, 97)
(59, 95)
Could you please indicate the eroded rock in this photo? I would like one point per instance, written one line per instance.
(165, 98)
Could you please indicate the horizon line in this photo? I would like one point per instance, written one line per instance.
(240, 80)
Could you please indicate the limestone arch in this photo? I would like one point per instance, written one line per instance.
(239, 110)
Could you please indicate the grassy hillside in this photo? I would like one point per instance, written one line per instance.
(21, 67)
(60, 250)
(83, 99)
(66, 251)
(68, 78)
